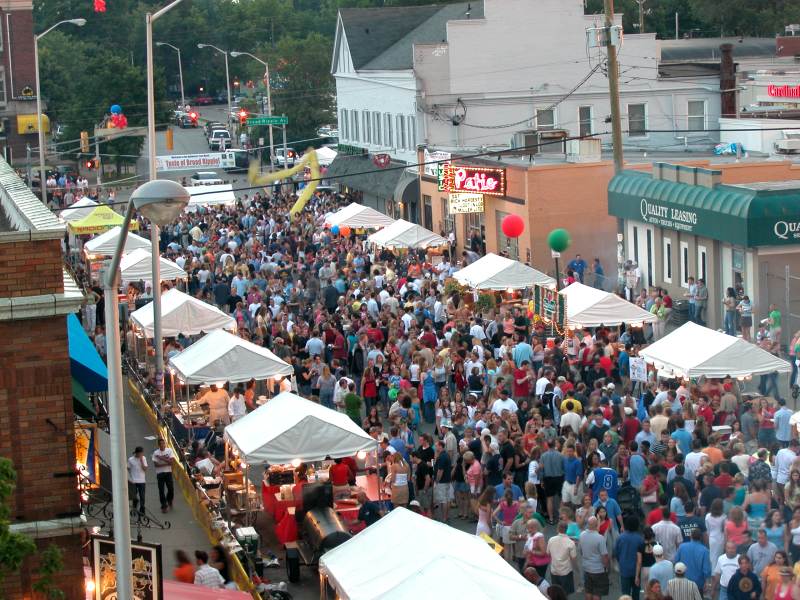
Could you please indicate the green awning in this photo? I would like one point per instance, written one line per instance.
(82, 404)
(748, 215)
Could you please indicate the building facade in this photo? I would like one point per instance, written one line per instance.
(36, 407)
(735, 225)
(18, 122)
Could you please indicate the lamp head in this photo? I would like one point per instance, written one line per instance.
(160, 200)
(160, 43)
(234, 54)
(202, 45)
(78, 22)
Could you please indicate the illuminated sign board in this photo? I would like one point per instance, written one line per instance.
(462, 203)
(784, 91)
(481, 180)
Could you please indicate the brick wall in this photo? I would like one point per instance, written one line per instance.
(36, 418)
(30, 268)
(70, 580)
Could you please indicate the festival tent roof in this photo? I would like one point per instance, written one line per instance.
(79, 210)
(357, 215)
(221, 356)
(182, 313)
(138, 265)
(438, 561)
(289, 427)
(325, 155)
(105, 243)
(100, 219)
(86, 365)
(493, 272)
(402, 234)
(207, 195)
(590, 307)
(693, 350)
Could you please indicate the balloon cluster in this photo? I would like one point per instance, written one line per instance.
(343, 231)
(118, 119)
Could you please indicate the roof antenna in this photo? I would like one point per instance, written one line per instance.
(469, 10)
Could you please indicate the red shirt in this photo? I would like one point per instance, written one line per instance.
(521, 389)
(630, 427)
(723, 481)
(428, 339)
(339, 474)
(706, 413)
(655, 515)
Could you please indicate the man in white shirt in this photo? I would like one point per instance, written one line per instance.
(504, 403)
(726, 566)
(476, 330)
(217, 400)
(205, 574)
(137, 469)
(668, 535)
(783, 463)
(163, 458)
(236, 406)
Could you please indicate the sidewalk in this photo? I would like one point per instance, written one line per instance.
(184, 533)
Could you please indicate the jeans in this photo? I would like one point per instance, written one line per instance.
(768, 385)
(730, 323)
(723, 593)
(166, 490)
(692, 311)
(699, 313)
(628, 587)
(326, 398)
(137, 494)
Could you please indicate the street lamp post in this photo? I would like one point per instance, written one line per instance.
(269, 98)
(36, 38)
(161, 202)
(227, 75)
(154, 227)
(180, 69)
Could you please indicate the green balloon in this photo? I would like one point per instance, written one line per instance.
(558, 240)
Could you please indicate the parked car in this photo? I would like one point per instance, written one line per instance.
(220, 140)
(188, 121)
(211, 126)
(203, 100)
(242, 161)
(206, 178)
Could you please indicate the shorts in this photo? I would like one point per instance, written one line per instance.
(425, 498)
(595, 584)
(442, 493)
(571, 493)
(567, 582)
(552, 486)
(461, 486)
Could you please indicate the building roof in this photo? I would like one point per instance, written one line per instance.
(708, 48)
(22, 212)
(754, 214)
(383, 38)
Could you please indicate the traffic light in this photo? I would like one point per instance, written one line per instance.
(92, 163)
(243, 117)
(193, 116)
(84, 141)
(170, 139)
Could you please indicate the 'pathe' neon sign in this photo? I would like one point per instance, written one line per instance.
(455, 178)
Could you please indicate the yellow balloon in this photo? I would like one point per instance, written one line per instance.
(310, 158)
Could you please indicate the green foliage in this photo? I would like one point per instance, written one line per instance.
(485, 302)
(52, 562)
(14, 547)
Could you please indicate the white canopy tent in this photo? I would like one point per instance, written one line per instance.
(220, 356)
(289, 428)
(210, 195)
(325, 155)
(182, 313)
(357, 215)
(693, 350)
(493, 272)
(138, 265)
(438, 561)
(402, 234)
(79, 210)
(590, 307)
(105, 243)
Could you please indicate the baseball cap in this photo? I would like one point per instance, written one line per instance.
(658, 550)
(414, 503)
(628, 410)
(610, 386)
(680, 568)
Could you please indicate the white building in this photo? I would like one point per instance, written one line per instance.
(502, 74)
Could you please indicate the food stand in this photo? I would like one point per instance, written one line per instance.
(105, 244)
(358, 216)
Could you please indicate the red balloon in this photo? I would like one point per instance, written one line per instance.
(344, 231)
(513, 226)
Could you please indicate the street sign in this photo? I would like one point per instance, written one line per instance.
(276, 120)
(190, 162)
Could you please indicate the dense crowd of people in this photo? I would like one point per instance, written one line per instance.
(677, 489)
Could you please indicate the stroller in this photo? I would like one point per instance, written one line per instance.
(630, 501)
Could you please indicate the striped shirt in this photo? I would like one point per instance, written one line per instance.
(680, 588)
(208, 576)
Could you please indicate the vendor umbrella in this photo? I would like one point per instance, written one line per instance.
(402, 234)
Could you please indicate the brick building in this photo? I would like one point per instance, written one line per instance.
(18, 125)
(36, 411)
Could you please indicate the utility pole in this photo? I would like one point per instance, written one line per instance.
(616, 126)
(641, 4)
(97, 159)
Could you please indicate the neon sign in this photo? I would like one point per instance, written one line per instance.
(455, 178)
(784, 91)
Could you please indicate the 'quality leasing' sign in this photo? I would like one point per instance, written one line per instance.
(667, 216)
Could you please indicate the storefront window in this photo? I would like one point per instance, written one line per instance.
(427, 212)
(738, 271)
(505, 244)
(473, 232)
(448, 220)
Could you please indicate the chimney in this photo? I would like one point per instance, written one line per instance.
(727, 81)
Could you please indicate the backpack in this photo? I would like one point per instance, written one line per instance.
(630, 502)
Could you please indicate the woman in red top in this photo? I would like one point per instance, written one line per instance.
(369, 385)
(766, 424)
(603, 522)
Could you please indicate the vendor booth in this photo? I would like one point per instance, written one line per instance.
(138, 266)
(100, 219)
(325, 156)
(357, 215)
(438, 561)
(693, 351)
(210, 195)
(105, 244)
(78, 210)
(402, 234)
(494, 272)
(590, 307)
(182, 314)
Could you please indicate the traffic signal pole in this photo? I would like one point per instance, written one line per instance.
(97, 159)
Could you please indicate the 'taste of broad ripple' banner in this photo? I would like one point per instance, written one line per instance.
(189, 162)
